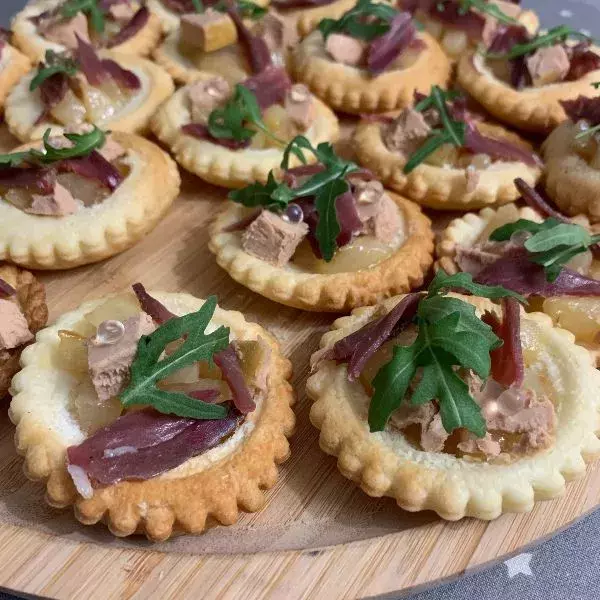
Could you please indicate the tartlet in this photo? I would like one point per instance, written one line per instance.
(295, 285)
(456, 40)
(28, 119)
(535, 109)
(29, 40)
(210, 487)
(578, 314)
(353, 90)
(13, 65)
(572, 175)
(150, 184)
(219, 164)
(445, 187)
(391, 463)
(31, 298)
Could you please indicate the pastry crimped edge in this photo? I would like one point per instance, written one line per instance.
(23, 107)
(169, 20)
(26, 38)
(223, 166)
(207, 488)
(12, 67)
(452, 487)
(95, 233)
(570, 181)
(465, 231)
(533, 109)
(441, 188)
(31, 297)
(404, 270)
(353, 91)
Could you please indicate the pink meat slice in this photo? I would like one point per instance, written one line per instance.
(154, 443)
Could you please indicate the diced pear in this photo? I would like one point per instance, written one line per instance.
(120, 309)
(69, 111)
(581, 316)
(72, 352)
(91, 413)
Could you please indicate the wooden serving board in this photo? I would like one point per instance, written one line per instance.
(319, 535)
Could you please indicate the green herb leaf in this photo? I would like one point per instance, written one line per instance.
(53, 63)
(596, 85)
(251, 10)
(442, 282)
(366, 21)
(198, 6)
(553, 36)
(89, 7)
(148, 368)
(505, 232)
(328, 227)
(14, 159)
(435, 141)
(563, 234)
(428, 102)
(488, 8)
(272, 195)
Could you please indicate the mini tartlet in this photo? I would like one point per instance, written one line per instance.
(526, 91)
(13, 65)
(222, 43)
(465, 245)
(415, 461)
(289, 253)
(479, 172)
(357, 76)
(181, 123)
(572, 155)
(458, 30)
(202, 477)
(132, 31)
(169, 11)
(110, 90)
(20, 288)
(74, 213)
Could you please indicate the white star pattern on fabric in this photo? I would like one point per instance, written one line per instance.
(519, 565)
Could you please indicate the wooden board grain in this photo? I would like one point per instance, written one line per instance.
(318, 537)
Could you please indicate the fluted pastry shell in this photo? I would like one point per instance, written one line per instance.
(31, 297)
(532, 109)
(169, 20)
(444, 188)
(220, 165)
(215, 485)
(353, 90)
(570, 180)
(13, 65)
(387, 464)
(97, 232)
(29, 41)
(24, 107)
(402, 271)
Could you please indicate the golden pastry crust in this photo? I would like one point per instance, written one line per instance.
(31, 297)
(443, 188)
(222, 166)
(13, 65)
(570, 180)
(404, 270)
(447, 36)
(215, 485)
(386, 464)
(465, 231)
(99, 231)
(169, 20)
(353, 91)
(27, 39)
(23, 107)
(532, 109)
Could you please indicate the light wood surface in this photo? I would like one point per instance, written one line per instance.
(318, 537)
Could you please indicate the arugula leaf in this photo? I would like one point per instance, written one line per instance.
(328, 227)
(198, 6)
(53, 63)
(366, 21)
(148, 368)
(554, 35)
(272, 195)
(489, 8)
(442, 282)
(505, 232)
(89, 7)
(83, 145)
(553, 243)
(251, 10)
(428, 102)
(596, 85)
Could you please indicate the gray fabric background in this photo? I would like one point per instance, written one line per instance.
(566, 567)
